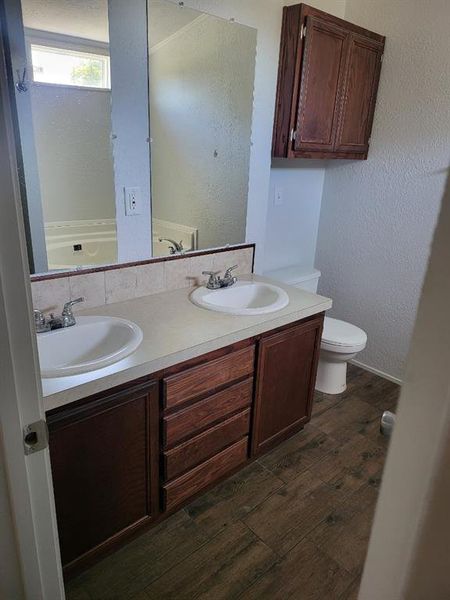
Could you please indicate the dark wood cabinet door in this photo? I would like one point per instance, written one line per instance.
(362, 74)
(104, 457)
(287, 367)
(320, 86)
(328, 78)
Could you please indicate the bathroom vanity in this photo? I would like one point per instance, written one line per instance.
(129, 455)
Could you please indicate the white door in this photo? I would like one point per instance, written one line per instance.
(28, 495)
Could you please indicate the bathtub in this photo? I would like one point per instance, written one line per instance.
(72, 244)
(180, 233)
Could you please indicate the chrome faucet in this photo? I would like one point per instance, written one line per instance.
(175, 247)
(41, 324)
(228, 279)
(67, 319)
(215, 282)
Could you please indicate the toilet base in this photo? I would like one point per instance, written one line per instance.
(332, 372)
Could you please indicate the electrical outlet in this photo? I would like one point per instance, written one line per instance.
(132, 201)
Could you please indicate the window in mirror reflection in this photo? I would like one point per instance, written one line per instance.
(69, 67)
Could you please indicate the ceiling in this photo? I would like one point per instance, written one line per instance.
(80, 18)
(88, 19)
(166, 18)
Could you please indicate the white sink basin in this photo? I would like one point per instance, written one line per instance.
(93, 343)
(243, 298)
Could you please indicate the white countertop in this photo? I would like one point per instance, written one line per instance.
(175, 330)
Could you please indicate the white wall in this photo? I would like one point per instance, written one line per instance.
(129, 88)
(201, 100)
(72, 130)
(291, 230)
(292, 227)
(265, 16)
(378, 216)
(408, 553)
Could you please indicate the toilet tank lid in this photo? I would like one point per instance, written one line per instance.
(294, 274)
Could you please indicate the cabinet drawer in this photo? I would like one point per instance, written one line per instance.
(205, 413)
(205, 378)
(205, 474)
(206, 444)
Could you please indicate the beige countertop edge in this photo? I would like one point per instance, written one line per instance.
(125, 375)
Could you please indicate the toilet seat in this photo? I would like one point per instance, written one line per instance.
(340, 336)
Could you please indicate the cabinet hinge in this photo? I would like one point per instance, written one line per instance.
(293, 135)
(35, 437)
(302, 31)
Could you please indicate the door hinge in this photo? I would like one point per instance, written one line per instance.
(35, 437)
(302, 31)
(293, 135)
(381, 57)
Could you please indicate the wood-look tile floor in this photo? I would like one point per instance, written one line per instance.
(294, 524)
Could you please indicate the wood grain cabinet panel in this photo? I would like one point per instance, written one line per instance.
(204, 379)
(322, 71)
(206, 444)
(205, 413)
(327, 86)
(287, 366)
(189, 484)
(356, 112)
(104, 458)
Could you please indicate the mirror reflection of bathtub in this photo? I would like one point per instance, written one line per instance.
(73, 243)
(188, 236)
(92, 243)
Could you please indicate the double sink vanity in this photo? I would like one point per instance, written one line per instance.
(135, 184)
(154, 400)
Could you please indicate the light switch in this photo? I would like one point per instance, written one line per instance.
(132, 201)
(278, 196)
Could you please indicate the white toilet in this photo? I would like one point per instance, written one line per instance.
(341, 341)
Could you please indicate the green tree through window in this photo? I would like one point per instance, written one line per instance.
(88, 73)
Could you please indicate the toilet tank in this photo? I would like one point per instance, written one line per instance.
(301, 277)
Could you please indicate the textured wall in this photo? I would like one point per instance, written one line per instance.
(291, 230)
(72, 135)
(378, 216)
(292, 227)
(201, 99)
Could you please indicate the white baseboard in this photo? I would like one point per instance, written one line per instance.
(377, 372)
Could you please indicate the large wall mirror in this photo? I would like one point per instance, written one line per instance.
(133, 129)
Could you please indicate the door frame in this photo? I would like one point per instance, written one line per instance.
(29, 479)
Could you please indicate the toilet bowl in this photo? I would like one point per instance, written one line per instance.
(340, 343)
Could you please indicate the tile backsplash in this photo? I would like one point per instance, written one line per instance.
(125, 283)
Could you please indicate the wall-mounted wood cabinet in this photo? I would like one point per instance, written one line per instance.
(328, 79)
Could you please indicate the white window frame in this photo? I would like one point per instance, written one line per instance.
(57, 41)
